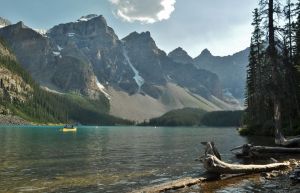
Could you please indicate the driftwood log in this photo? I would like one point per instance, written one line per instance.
(180, 183)
(210, 149)
(215, 167)
(248, 150)
(173, 185)
(282, 141)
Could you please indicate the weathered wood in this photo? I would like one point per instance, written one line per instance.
(249, 150)
(215, 167)
(211, 149)
(281, 140)
(173, 185)
(213, 164)
(183, 183)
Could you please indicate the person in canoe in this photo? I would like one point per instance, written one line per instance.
(69, 128)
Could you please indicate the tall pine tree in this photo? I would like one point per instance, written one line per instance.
(272, 84)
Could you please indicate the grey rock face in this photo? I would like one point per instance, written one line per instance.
(32, 49)
(157, 68)
(62, 66)
(12, 85)
(73, 56)
(91, 41)
(181, 56)
(230, 69)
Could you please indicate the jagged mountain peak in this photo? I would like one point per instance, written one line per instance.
(17, 26)
(179, 49)
(205, 52)
(231, 69)
(20, 24)
(87, 57)
(145, 36)
(180, 55)
(85, 26)
(142, 41)
(89, 17)
(93, 18)
(19, 32)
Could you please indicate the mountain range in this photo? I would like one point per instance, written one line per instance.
(23, 101)
(139, 80)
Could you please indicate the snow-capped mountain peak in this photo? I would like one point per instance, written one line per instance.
(87, 17)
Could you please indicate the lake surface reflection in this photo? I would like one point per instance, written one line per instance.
(104, 159)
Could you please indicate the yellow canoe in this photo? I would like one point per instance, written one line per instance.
(74, 129)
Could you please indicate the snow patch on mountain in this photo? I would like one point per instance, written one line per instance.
(55, 53)
(99, 55)
(59, 48)
(87, 17)
(102, 89)
(70, 34)
(43, 32)
(138, 79)
(51, 90)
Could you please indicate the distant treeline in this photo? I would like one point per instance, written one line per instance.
(196, 117)
(223, 118)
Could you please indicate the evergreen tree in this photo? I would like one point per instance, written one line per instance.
(271, 85)
(291, 106)
(254, 98)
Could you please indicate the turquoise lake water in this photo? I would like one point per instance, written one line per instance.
(104, 159)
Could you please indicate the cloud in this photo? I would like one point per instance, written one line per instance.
(144, 11)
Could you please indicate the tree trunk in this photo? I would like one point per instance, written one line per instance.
(277, 113)
(274, 66)
(249, 150)
(271, 26)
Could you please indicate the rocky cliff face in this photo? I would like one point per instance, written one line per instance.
(87, 57)
(32, 49)
(156, 68)
(230, 69)
(91, 41)
(12, 86)
(49, 64)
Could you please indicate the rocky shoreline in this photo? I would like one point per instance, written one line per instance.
(12, 120)
(276, 182)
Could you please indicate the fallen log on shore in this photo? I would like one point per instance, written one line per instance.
(214, 165)
(215, 170)
(282, 141)
(248, 150)
(173, 185)
(182, 183)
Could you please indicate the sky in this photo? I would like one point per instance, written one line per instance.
(222, 26)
